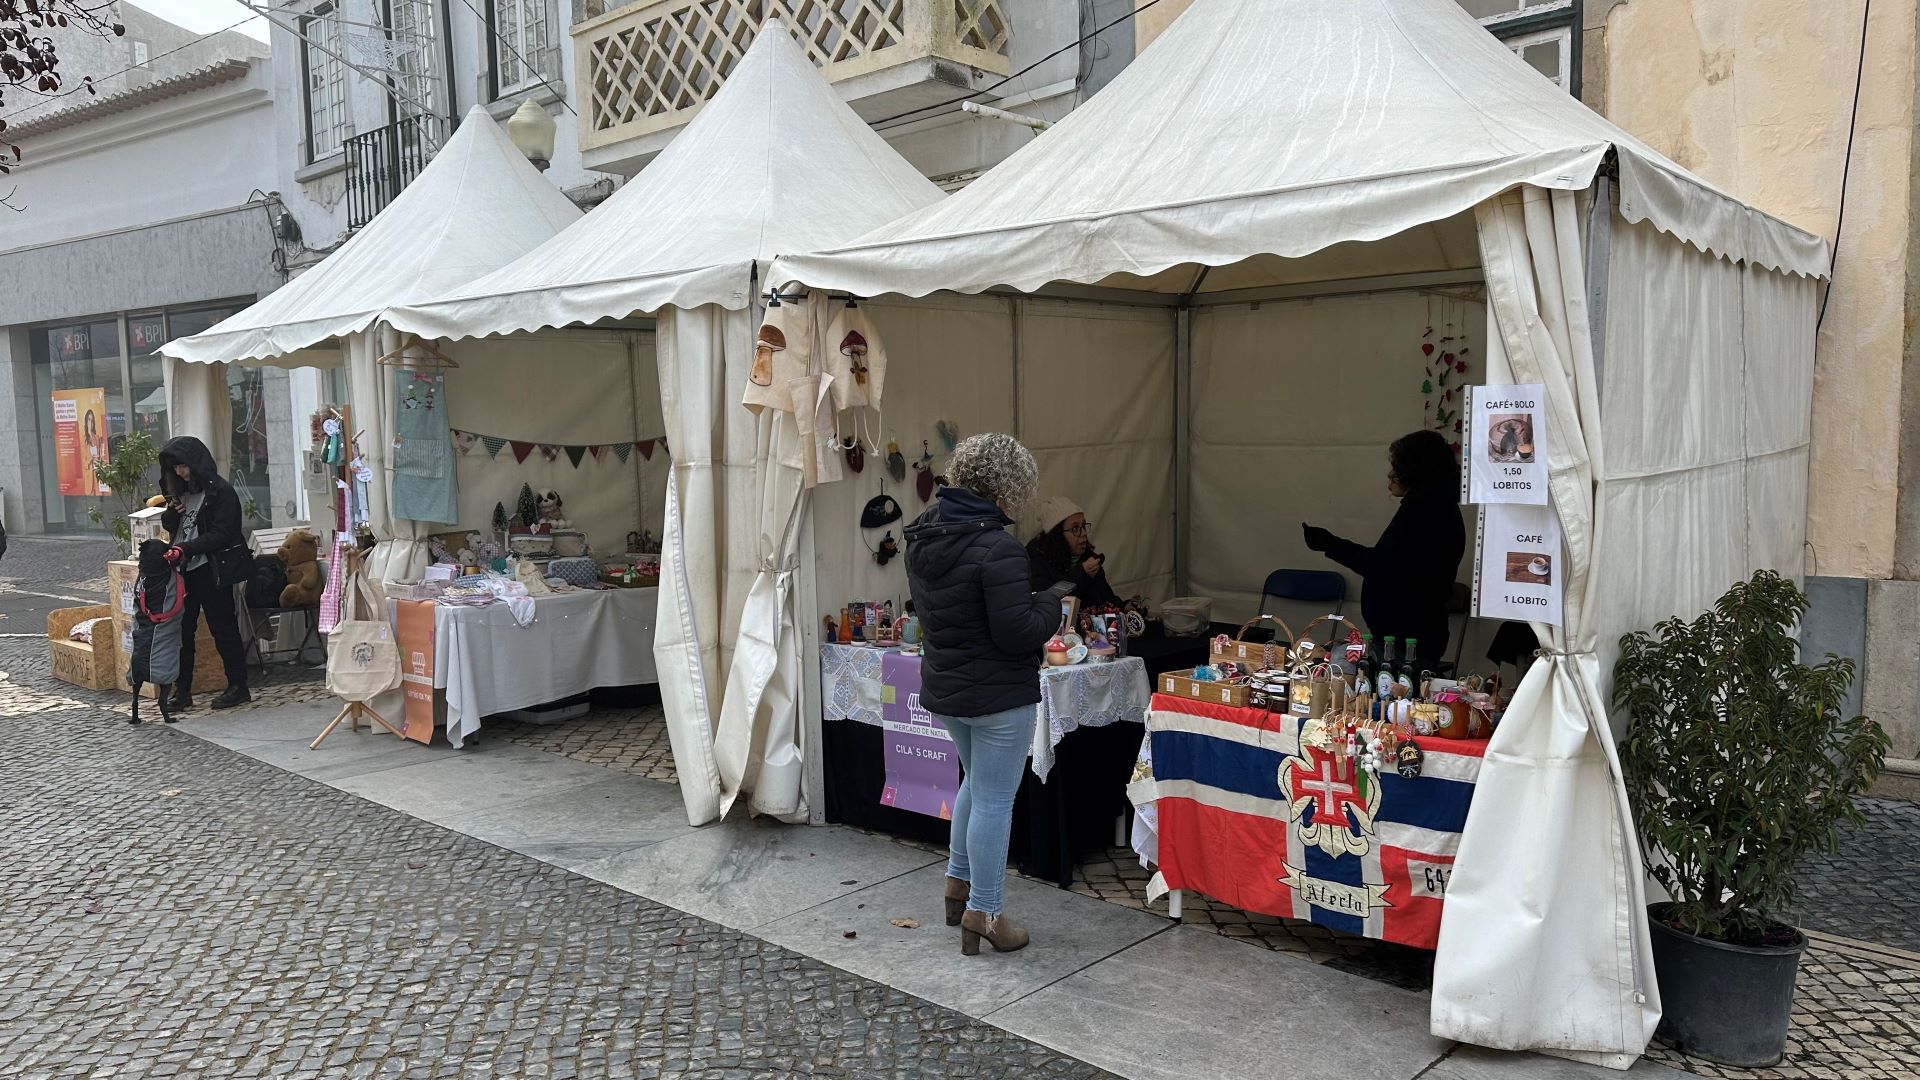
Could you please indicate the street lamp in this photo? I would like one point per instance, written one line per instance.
(531, 130)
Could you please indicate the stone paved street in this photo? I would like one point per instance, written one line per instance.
(169, 908)
(178, 909)
(1868, 887)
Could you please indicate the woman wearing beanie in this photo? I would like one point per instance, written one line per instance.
(1064, 552)
(985, 628)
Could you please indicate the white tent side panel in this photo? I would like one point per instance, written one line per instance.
(578, 387)
(1706, 383)
(1092, 387)
(1096, 391)
(1298, 400)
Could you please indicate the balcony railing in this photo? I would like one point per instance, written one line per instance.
(382, 162)
(646, 67)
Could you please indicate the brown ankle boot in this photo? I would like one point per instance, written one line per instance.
(999, 931)
(957, 893)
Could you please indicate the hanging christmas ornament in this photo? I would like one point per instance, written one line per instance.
(949, 433)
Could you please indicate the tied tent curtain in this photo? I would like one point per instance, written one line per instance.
(1544, 942)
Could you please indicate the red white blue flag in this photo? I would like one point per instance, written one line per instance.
(1253, 814)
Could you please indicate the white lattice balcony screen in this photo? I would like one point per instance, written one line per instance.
(645, 66)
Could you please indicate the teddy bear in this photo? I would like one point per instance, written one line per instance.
(300, 553)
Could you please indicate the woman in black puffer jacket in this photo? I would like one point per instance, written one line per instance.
(209, 548)
(985, 628)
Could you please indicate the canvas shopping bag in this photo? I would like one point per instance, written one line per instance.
(363, 660)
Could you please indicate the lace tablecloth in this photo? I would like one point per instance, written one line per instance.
(1086, 695)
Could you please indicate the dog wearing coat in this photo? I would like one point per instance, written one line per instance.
(159, 596)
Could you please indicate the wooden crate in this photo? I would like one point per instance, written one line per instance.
(1181, 684)
(91, 666)
(122, 574)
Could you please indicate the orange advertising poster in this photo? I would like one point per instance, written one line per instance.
(79, 438)
(413, 630)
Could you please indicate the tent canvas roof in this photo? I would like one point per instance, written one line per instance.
(776, 162)
(478, 204)
(1281, 128)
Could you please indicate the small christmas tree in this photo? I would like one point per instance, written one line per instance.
(529, 507)
(500, 522)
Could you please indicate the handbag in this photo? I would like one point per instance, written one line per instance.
(363, 660)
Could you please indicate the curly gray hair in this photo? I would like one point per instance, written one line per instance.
(996, 467)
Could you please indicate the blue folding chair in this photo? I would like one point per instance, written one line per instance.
(1306, 587)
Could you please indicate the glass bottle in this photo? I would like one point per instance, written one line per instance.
(1384, 679)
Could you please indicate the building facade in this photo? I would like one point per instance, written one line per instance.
(1760, 98)
(143, 212)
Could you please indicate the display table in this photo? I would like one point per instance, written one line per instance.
(578, 641)
(1084, 744)
(1234, 806)
(855, 687)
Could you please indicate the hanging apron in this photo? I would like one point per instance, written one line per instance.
(423, 484)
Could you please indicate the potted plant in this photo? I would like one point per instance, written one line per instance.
(129, 474)
(1738, 762)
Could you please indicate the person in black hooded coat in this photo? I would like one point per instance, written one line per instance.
(1407, 576)
(985, 631)
(209, 547)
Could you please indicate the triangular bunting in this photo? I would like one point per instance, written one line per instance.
(623, 451)
(494, 444)
(550, 451)
(645, 448)
(521, 450)
(596, 451)
(575, 453)
(663, 446)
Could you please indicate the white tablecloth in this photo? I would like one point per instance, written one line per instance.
(1086, 695)
(576, 642)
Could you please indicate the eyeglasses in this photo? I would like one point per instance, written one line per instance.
(1080, 529)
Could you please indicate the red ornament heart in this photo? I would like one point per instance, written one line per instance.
(1427, 348)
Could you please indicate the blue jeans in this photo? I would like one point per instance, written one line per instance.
(993, 751)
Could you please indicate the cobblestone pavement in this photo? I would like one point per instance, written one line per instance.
(631, 740)
(1869, 886)
(41, 561)
(169, 908)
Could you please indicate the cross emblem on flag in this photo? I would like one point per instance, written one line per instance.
(1331, 795)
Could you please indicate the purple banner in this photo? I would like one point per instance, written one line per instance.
(923, 770)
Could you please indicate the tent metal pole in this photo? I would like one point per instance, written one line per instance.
(806, 601)
(1182, 449)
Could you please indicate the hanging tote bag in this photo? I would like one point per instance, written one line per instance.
(363, 660)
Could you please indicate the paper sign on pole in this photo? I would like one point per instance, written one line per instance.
(1504, 451)
(1518, 566)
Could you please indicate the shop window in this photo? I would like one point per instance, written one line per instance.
(526, 44)
(325, 83)
(247, 408)
(82, 402)
(146, 370)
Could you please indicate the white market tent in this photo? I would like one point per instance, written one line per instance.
(477, 205)
(775, 162)
(1267, 164)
